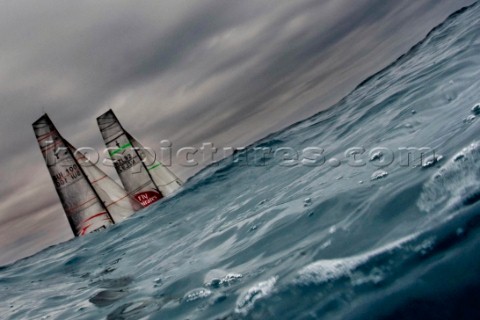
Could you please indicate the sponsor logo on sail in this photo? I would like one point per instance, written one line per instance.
(146, 198)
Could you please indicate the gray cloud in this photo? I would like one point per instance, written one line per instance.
(223, 71)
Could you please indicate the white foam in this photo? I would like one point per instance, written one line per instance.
(326, 270)
(431, 160)
(218, 277)
(195, 294)
(330, 269)
(379, 175)
(455, 180)
(247, 300)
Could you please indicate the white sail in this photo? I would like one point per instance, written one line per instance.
(85, 211)
(145, 183)
(166, 181)
(119, 204)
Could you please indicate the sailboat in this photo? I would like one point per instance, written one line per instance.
(92, 201)
(143, 177)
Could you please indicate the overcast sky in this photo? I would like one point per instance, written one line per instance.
(226, 71)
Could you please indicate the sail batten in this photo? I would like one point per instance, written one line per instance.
(135, 165)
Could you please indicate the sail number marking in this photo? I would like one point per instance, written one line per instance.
(68, 175)
(125, 163)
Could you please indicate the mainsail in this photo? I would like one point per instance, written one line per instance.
(91, 200)
(141, 174)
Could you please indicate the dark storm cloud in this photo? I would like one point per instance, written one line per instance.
(189, 71)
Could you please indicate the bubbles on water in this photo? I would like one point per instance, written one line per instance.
(212, 278)
(157, 282)
(230, 278)
(456, 182)
(196, 294)
(476, 109)
(219, 278)
(431, 160)
(379, 174)
(377, 155)
(469, 119)
(307, 202)
(247, 300)
(334, 162)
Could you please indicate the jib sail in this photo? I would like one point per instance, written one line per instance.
(142, 176)
(85, 211)
(119, 204)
